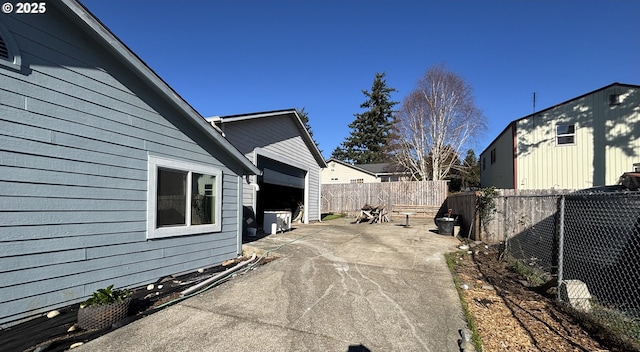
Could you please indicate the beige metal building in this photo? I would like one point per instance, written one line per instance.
(585, 142)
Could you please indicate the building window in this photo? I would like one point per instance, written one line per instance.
(565, 134)
(183, 198)
(334, 179)
(493, 156)
(484, 163)
(614, 99)
(356, 180)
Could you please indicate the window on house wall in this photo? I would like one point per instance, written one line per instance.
(183, 198)
(334, 179)
(565, 134)
(356, 180)
(484, 163)
(493, 155)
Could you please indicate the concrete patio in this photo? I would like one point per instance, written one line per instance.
(335, 286)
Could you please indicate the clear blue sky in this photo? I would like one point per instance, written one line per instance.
(228, 57)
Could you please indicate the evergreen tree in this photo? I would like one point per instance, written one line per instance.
(370, 131)
(304, 117)
(471, 170)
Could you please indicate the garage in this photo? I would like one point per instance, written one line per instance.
(278, 143)
(281, 187)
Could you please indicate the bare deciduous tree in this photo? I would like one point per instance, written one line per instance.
(438, 118)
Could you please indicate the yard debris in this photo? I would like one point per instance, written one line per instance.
(228, 262)
(373, 215)
(465, 343)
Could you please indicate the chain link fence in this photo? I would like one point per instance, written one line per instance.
(591, 243)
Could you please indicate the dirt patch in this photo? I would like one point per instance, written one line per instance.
(510, 316)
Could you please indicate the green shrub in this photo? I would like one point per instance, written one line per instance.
(105, 296)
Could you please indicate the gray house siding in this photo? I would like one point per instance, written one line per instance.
(277, 135)
(76, 129)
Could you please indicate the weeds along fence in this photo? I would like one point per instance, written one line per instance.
(590, 242)
(350, 197)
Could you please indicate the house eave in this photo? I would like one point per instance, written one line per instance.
(266, 114)
(80, 15)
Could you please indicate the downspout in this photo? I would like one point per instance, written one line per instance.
(240, 219)
(514, 134)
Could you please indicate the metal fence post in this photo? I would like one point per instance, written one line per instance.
(561, 244)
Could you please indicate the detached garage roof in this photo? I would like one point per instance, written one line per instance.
(93, 27)
(313, 148)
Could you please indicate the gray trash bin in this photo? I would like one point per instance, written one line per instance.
(445, 225)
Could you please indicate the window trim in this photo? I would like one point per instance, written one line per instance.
(558, 135)
(154, 163)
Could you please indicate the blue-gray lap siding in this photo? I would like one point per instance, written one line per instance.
(278, 135)
(76, 127)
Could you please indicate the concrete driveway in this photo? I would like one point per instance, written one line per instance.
(336, 286)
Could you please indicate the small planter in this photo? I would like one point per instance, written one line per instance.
(100, 316)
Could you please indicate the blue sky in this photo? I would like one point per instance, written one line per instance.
(229, 57)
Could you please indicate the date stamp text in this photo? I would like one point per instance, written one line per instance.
(25, 7)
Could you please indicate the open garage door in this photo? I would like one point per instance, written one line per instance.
(281, 174)
(281, 187)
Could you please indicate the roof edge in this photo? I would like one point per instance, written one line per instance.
(555, 106)
(113, 44)
(351, 166)
(306, 136)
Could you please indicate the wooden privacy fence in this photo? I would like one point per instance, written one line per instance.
(463, 205)
(350, 197)
(516, 211)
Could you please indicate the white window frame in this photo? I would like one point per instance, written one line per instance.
(154, 163)
(558, 135)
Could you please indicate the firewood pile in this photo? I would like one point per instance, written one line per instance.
(372, 214)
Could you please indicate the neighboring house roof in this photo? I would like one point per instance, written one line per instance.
(266, 114)
(384, 169)
(81, 15)
(555, 106)
(356, 167)
(376, 170)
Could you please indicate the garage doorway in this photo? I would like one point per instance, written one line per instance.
(282, 187)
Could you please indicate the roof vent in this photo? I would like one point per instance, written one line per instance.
(4, 51)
